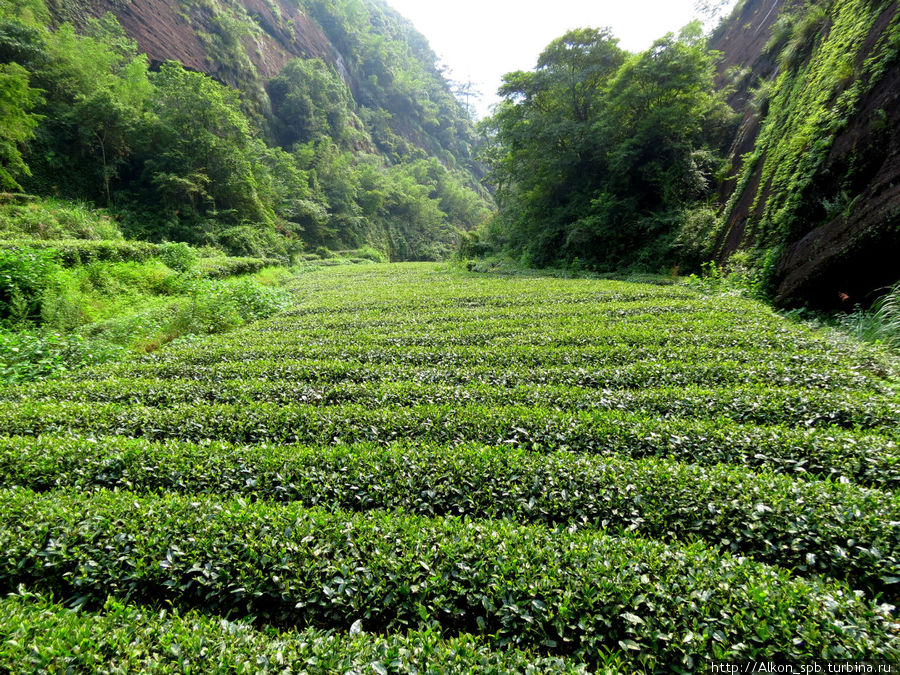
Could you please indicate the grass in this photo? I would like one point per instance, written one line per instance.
(54, 219)
(469, 472)
(104, 310)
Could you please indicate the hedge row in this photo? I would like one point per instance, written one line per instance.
(867, 458)
(582, 594)
(74, 252)
(748, 404)
(220, 268)
(836, 529)
(39, 636)
(335, 368)
(799, 368)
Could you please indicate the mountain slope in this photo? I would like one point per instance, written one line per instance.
(261, 127)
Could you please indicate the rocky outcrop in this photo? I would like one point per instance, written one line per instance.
(843, 243)
(173, 30)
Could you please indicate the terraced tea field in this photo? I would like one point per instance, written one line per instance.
(420, 470)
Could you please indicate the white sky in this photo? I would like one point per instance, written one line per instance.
(481, 40)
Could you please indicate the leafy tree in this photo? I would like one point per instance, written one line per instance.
(595, 153)
(17, 99)
(203, 143)
(309, 102)
(545, 156)
(179, 156)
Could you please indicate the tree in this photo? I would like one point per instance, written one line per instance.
(309, 102)
(17, 99)
(203, 150)
(595, 152)
(545, 155)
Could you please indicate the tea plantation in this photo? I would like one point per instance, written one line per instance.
(417, 469)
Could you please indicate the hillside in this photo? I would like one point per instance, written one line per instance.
(816, 159)
(260, 127)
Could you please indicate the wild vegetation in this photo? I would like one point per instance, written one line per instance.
(618, 476)
(595, 153)
(265, 169)
(829, 57)
(85, 295)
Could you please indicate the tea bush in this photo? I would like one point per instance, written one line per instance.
(628, 476)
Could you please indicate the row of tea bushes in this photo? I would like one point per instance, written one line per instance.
(568, 593)
(836, 529)
(40, 636)
(673, 373)
(747, 404)
(864, 457)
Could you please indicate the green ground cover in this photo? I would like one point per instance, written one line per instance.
(418, 467)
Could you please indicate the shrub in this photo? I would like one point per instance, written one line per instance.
(30, 355)
(220, 267)
(56, 220)
(216, 307)
(25, 273)
(71, 253)
(368, 253)
(821, 527)
(179, 256)
(46, 637)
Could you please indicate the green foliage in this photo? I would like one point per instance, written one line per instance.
(222, 267)
(310, 102)
(696, 236)
(27, 355)
(287, 565)
(822, 77)
(44, 636)
(55, 219)
(572, 466)
(74, 252)
(179, 157)
(773, 518)
(205, 163)
(24, 274)
(887, 313)
(220, 306)
(405, 100)
(879, 324)
(595, 153)
(17, 100)
(179, 256)
(366, 253)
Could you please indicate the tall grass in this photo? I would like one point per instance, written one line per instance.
(886, 314)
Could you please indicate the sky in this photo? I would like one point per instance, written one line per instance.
(480, 40)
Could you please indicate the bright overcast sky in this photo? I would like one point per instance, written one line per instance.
(481, 40)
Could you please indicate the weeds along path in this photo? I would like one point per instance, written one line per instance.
(463, 472)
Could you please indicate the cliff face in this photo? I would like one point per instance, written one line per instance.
(387, 67)
(816, 158)
(167, 30)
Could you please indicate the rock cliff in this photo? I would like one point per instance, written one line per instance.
(815, 186)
